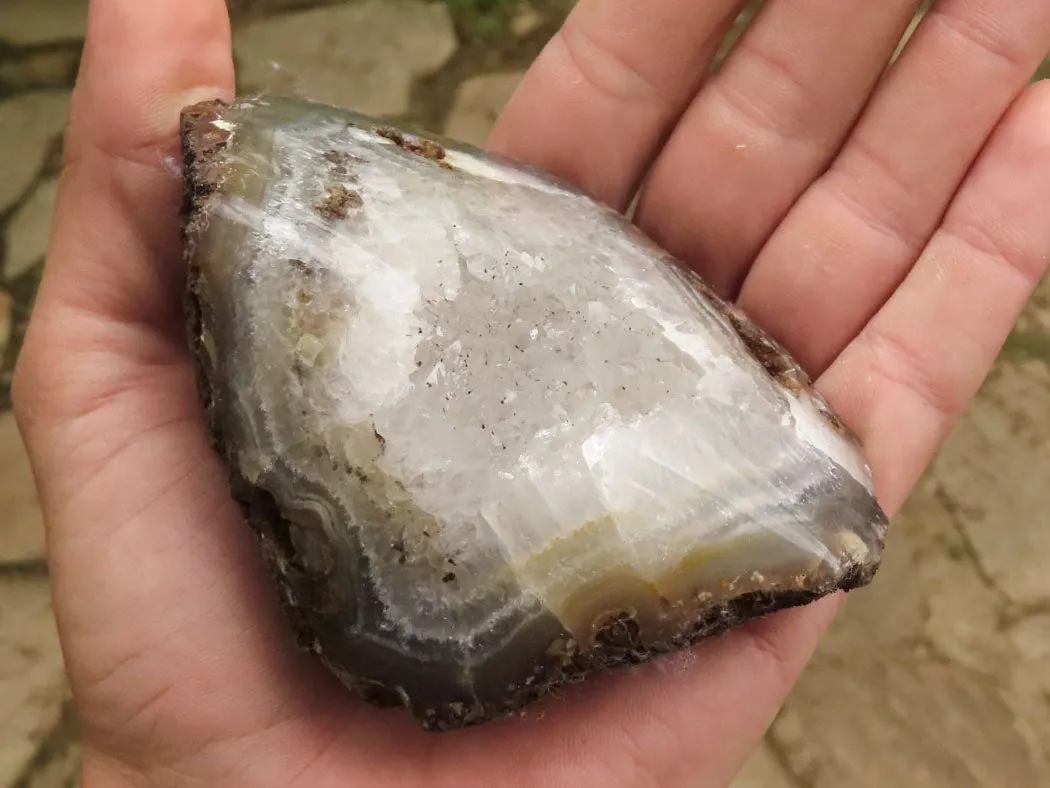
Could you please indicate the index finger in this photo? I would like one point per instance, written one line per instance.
(607, 89)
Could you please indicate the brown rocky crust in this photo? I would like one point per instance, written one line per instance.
(338, 202)
(202, 144)
(426, 148)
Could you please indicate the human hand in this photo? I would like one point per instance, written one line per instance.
(888, 280)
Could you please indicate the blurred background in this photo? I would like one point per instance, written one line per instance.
(937, 675)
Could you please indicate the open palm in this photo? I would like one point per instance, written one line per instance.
(888, 238)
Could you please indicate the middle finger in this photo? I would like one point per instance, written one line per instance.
(602, 96)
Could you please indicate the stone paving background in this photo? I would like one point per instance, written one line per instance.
(938, 675)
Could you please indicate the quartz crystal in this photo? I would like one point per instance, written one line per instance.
(490, 437)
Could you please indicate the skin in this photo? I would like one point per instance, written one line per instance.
(889, 239)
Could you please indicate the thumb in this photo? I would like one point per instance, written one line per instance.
(116, 228)
(109, 301)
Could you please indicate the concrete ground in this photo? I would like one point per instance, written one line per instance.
(938, 675)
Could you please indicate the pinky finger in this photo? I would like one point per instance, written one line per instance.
(911, 372)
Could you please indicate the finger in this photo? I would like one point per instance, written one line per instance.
(907, 377)
(114, 258)
(852, 237)
(118, 201)
(140, 69)
(608, 87)
(114, 265)
(141, 526)
(764, 127)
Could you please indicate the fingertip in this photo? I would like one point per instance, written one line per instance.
(1025, 129)
(144, 62)
(1038, 90)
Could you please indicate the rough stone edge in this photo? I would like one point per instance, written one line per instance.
(615, 646)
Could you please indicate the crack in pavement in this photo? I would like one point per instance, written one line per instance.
(969, 552)
(57, 744)
(30, 567)
(780, 754)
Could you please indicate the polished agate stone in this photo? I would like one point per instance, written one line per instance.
(490, 437)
